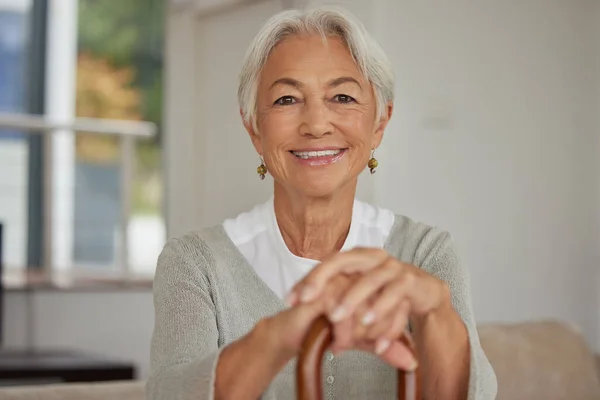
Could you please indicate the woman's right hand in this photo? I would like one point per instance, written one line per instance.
(287, 329)
(271, 344)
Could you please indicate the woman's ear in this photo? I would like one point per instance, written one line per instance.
(254, 136)
(382, 123)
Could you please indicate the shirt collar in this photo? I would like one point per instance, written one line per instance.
(286, 257)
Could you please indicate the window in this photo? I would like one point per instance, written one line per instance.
(119, 76)
(107, 68)
(14, 147)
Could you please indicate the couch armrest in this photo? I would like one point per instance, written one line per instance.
(541, 360)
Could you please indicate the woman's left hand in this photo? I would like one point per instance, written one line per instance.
(376, 308)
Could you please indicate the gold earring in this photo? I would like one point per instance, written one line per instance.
(373, 163)
(262, 169)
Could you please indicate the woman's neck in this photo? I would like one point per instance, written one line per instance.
(314, 227)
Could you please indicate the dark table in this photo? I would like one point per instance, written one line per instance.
(39, 367)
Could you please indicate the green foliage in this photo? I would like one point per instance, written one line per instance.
(152, 101)
(129, 35)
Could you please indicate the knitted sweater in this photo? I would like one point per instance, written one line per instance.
(206, 296)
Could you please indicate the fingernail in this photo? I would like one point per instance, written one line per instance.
(382, 345)
(338, 314)
(308, 293)
(368, 318)
(413, 365)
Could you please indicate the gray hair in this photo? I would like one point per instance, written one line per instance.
(326, 21)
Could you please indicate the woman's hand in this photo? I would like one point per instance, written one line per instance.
(375, 310)
(286, 330)
(272, 343)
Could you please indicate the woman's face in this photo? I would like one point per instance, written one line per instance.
(316, 116)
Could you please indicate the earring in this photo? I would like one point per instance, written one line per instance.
(262, 169)
(373, 163)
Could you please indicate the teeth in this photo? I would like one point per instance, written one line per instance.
(314, 154)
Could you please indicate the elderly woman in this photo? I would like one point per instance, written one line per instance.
(233, 302)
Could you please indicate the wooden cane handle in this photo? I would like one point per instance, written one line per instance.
(309, 367)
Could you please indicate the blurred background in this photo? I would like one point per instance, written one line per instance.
(119, 128)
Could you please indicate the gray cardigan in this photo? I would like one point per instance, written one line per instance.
(206, 295)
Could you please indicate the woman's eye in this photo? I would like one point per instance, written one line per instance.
(343, 98)
(285, 100)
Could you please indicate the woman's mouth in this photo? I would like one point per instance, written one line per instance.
(319, 157)
(316, 153)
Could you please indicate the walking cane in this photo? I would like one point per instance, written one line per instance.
(308, 373)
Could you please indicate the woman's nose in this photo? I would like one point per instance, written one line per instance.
(316, 119)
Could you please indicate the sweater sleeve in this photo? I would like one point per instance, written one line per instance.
(184, 348)
(439, 258)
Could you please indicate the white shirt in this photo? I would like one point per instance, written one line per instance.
(257, 236)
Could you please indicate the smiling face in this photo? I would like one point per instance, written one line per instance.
(317, 119)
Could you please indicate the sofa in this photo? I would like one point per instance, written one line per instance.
(533, 360)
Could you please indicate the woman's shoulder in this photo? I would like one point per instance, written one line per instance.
(193, 252)
(399, 227)
(415, 241)
(409, 228)
(428, 247)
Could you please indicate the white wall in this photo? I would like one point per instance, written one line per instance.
(226, 148)
(596, 148)
(492, 139)
(209, 142)
(113, 324)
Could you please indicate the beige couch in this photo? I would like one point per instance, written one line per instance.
(538, 360)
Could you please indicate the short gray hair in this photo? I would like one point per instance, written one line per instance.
(326, 21)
